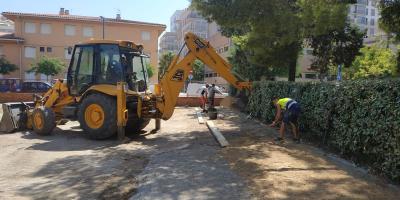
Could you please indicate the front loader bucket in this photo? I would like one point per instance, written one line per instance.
(14, 117)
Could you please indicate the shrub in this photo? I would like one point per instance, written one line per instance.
(360, 119)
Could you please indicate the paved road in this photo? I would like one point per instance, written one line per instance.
(180, 162)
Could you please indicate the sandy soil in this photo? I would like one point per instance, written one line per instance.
(293, 171)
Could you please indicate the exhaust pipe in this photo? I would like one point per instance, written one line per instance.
(15, 116)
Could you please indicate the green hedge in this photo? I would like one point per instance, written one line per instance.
(360, 119)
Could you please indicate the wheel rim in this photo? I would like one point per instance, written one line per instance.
(94, 116)
(38, 120)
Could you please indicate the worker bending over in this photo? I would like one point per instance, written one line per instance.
(291, 111)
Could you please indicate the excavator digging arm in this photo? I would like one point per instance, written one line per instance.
(178, 71)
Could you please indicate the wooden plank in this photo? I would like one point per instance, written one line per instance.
(217, 134)
(199, 116)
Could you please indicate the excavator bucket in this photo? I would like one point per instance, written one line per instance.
(15, 116)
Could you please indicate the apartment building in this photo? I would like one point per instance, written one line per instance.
(6, 25)
(54, 35)
(365, 15)
(169, 43)
(222, 46)
(188, 20)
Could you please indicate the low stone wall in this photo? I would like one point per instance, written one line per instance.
(194, 101)
(18, 97)
(6, 97)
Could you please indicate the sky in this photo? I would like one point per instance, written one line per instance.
(155, 11)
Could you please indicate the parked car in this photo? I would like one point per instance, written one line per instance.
(10, 85)
(35, 87)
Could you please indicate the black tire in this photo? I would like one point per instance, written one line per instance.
(49, 120)
(109, 126)
(134, 126)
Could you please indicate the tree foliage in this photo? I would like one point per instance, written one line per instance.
(335, 48)
(274, 29)
(150, 70)
(6, 67)
(164, 62)
(390, 16)
(198, 70)
(48, 66)
(374, 62)
(390, 21)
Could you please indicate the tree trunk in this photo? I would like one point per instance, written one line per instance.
(294, 54)
(398, 61)
(292, 70)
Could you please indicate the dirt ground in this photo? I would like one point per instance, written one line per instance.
(293, 171)
(182, 161)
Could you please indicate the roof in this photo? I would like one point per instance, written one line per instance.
(78, 18)
(124, 43)
(9, 37)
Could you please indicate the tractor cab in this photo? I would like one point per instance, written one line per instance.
(102, 62)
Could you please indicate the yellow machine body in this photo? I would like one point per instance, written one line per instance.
(129, 106)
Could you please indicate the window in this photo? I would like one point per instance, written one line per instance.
(1, 51)
(226, 48)
(68, 53)
(372, 31)
(87, 31)
(29, 76)
(372, 22)
(30, 27)
(372, 12)
(45, 28)
(110, 67)
(41, 49)
(30, 52)
(82, 69)
(145, 35)
(43, 77)
(49, 49)
(69, 30)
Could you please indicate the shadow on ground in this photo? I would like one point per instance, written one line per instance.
(108, 175)
(293, 171)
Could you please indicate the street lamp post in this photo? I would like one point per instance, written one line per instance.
(102, 21)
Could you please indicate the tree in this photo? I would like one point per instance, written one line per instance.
(374, 62)
(48, 66)
(6, 67)
(150, 70)
(336, 48)
(198, 70)
(164, 62)
(274, 29)
(390, 21)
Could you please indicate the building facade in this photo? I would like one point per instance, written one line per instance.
(6, 25)
(169, 43)
(222, 46)
(53, 35)
(189, 20)
(365, 15)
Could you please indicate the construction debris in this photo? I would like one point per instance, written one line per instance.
(217, 134)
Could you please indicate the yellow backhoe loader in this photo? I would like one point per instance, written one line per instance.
(107, 89)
